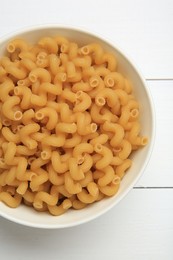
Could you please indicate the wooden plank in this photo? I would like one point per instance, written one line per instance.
(139, 227)
(142, 28)
(159, 170)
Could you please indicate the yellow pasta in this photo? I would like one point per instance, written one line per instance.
(60, 76)
(25, 133)
(69, 122)
(61, 209)
(49, 44)
(8, 108)
(74, 169)
(11, 201)
(25, 92)
(70, 128)
(107, 156)
(54, 140)
(71, 70)
(10, 177)
(39, 100)
(87, 163)
(28, 64)
(108, 94)
(86, 197)
(22, 188)
(114, 80)
(83, 62)
(87, 179)
(28, 117)
(37, 180)
(5, 89)
(83, 127)
(82, 148)
(109, 190)
(83, 102)
(16, 72)
(51, 114)
(54, 178)
(40, 74)
(108, 176)
(9, 135)
(93, 48)
(93, 189)
(54, 89)
(70, 185)
(43, 196)
(121, 169)
(77, 204)
(20, 44)
(57, 165)
(10, 153)
(117, 130)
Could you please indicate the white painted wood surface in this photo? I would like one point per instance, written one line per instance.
(141, 226)
(142, 28)
(159, 172)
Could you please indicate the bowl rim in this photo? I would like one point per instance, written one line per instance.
(129, 59)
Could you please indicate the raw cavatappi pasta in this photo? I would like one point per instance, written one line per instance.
(69, 122)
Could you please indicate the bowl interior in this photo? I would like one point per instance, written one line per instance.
(28, 216)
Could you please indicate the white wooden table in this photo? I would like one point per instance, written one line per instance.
(141, 226)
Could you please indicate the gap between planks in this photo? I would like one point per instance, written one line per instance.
(152, 187)
(159, 79)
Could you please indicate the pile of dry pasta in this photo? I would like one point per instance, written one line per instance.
(68, 124)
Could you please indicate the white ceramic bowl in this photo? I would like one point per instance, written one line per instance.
(28, 216)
